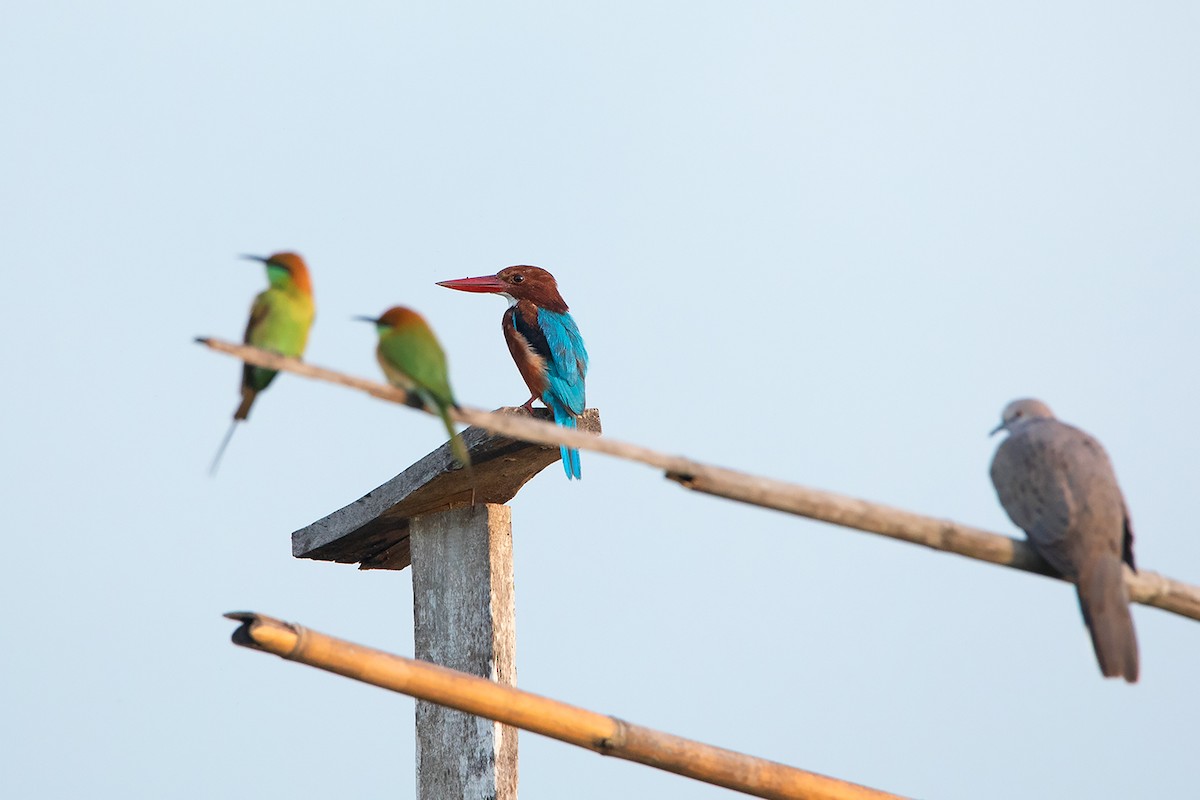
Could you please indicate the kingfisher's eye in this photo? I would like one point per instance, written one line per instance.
(518, 278)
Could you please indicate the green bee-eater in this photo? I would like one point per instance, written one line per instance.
(279, 321)
(413, 360)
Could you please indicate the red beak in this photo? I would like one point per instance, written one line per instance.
(488, 284)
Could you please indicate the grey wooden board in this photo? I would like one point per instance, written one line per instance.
(465, 618)
(373, 530)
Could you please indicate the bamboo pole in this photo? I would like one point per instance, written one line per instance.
(600, 733)
(1148, 588)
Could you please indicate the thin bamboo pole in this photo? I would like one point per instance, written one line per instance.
(1148, 588)
(598, 732)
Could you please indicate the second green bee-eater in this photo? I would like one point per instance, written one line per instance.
(413, 360)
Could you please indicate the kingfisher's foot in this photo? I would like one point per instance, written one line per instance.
(529, 405)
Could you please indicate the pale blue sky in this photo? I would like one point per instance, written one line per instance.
(822, 242)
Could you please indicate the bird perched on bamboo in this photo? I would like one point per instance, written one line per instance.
(279, 321)
(1057, 484)
(544, 342)
(413, 360)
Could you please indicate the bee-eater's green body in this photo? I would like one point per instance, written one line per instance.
(413, 360)
(279, 321)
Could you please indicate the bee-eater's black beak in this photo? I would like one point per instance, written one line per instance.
(372, 320)
(259, 259)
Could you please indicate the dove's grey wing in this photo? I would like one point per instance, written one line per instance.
(1103, 539)
(1031, 481)
(1097, 500)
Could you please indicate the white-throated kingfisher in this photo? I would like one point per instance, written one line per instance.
(280, 319)
(544, 342)
(412, 359)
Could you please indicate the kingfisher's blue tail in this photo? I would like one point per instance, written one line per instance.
(570, 456)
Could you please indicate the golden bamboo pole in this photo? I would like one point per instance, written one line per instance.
(1148, 588)
(598, 732)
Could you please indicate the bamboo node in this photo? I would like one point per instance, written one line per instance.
(683, 479)
(301, 640)
(615, 742)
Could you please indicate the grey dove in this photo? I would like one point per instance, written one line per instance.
(1057, 484)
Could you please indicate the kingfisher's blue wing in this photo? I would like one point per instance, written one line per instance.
(566, 360)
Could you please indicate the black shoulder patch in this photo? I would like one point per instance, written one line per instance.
(524, 322)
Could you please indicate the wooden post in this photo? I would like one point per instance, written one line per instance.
(454, 529)
(465, 620)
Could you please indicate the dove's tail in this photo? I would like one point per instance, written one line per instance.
(1105, 605)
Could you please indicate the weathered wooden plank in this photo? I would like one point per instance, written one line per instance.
(373, 530)
(465, 619)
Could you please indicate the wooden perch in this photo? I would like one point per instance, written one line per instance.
(1145, 587)
(600, 733)
(373, 530)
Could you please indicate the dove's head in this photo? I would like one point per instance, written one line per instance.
(1021, 411)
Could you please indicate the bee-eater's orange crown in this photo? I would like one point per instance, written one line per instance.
(296, 267)
(401, 317)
